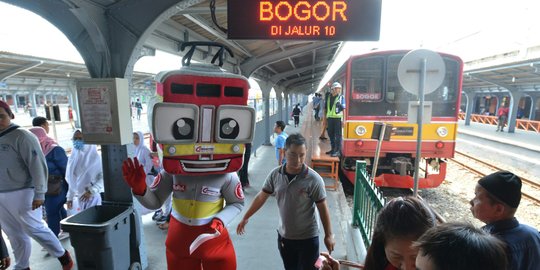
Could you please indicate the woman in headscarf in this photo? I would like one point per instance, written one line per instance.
(143, 154)
(84, 174)
(55, 198)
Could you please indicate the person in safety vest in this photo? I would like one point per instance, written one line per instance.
(335, 104)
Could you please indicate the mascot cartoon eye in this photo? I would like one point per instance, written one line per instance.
(175, 123)
(234, 124)
(183, 128)
(229, 128)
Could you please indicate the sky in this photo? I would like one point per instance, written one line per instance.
(470, 29)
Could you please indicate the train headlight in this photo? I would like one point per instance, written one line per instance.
(442, 131)
(172, 150)
(360, 130)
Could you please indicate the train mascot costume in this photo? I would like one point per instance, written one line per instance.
(201, 122)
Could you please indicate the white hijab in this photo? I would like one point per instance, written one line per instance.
(139, 149)
(79, 163)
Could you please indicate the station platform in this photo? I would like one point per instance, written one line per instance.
(257, 248)
(529, 140)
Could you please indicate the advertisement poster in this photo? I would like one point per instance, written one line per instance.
(96, 110)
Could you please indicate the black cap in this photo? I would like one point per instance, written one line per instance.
(503, 185)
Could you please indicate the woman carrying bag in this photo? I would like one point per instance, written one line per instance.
(57, 187)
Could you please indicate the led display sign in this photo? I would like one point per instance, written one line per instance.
(348, 20)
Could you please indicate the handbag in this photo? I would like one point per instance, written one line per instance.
(54, 185)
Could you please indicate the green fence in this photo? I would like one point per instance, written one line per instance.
(368, 200)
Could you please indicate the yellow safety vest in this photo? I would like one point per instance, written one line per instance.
(331, 108)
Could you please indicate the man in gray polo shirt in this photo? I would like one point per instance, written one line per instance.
(298, 190)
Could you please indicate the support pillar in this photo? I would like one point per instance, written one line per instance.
(73, 101)
(33, 103)
(470, 107)
(279, 97)
(287, 106)
(534, 107)
(515, 97)
(16, 103)
(266, 87)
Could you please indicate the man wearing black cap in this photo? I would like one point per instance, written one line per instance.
(496, 200)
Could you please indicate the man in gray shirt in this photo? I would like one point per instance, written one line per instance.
(299, 191)
(23, 183)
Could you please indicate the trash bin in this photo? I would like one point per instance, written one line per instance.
(56, 112)
(100, 236)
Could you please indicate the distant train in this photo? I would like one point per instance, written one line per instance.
(373, 94)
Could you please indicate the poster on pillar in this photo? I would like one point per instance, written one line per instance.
(104, 106)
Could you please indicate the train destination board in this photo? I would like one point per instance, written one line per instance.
(344, 20)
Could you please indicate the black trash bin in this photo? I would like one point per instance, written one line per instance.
(56, 112)
(100, 236)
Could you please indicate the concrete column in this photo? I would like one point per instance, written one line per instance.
(266, 87)
(33, 98)
(73, 101)
(470, 96)
(16, 102)
(287, 106)
(279, 98)
(515, 97)
(532, 115)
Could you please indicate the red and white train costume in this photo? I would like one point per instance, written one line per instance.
(201, 123)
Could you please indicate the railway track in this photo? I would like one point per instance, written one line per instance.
(530, 183)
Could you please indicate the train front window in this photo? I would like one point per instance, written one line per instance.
(208, 90)
(372, 95)
(367, 80)
(443, 98)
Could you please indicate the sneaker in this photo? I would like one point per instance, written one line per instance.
(329, 152)
(322, 138)
(161, 220)
(66, 261)
(335, 154)
(156, 215)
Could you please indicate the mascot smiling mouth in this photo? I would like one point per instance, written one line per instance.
(204, 165)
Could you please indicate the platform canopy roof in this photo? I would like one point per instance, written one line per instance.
(517, 70)
(292, 66)
(23, 73)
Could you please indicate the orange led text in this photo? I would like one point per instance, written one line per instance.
(303, 11)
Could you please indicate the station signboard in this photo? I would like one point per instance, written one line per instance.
(343, 20)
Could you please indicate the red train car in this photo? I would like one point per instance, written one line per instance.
(373, 94)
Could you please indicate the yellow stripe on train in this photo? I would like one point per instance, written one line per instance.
(171, 150)
(403, 131)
